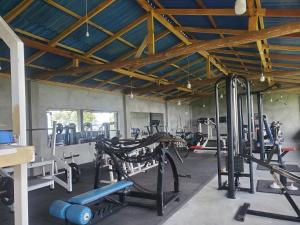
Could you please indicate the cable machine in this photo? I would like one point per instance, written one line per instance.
(238, 143)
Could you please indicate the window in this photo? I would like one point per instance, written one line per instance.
(65, 117)
(81, 125)
(97, 119)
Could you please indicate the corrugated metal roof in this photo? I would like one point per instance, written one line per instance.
(43, 20)
(47, 21)
(119, 15)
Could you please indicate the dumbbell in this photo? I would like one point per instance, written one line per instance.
(7, 190)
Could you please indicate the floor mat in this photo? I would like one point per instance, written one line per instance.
(201, 167)
(264, 186)
(290, 168)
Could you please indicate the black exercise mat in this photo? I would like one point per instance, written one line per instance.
(202, 168)
(290, 168)
(264, 186)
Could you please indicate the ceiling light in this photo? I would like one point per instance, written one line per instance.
(271, 100)
(240, 7)
(179, 102)
(189, 85)
(221, 96)
(87, 34)
(131, 95)
(203, 105)
(262, 77)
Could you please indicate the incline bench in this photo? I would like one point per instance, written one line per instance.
(80, 210)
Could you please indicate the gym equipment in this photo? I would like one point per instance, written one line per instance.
(119, 151)
(244, 209)
(6, 137)
(7, 190)
(70, 170)
(205, 141)
(154, 124)
(34, 183)
(92, 205)
(237, 88)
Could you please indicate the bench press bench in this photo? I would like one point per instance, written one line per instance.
(80, 210)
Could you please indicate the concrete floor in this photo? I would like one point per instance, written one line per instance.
(210, 206)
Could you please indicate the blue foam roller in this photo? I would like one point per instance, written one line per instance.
(79, 214)
(58, 209)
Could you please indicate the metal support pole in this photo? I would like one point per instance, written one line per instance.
(230, 139)
(250, 135)
(218, 134)
(261, 126)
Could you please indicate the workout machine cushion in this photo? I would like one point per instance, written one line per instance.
(58, 209)
(78, 214)
(288, 149)
(96, 194)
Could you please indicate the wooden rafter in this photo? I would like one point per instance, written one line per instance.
(21, 7)
(212, 21)
(230, 12)
(253, 25)
(150, 33)
(249, 37)
(211, 30)
(283, 47)
(90, 22)
(102, 6)
(142, 47)
(178, 34)
(109, 40)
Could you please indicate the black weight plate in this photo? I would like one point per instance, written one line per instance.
(76, 172)
(7, 191)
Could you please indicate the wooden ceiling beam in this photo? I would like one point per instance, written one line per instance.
(201, 4)
(102, 6)
(254, 26)
(91, 23)
(109, 40)
(96, 10)
(230, 52)
(197, 12)
(178, 34)
(249, 37)
(140, 50)
(230, 12)
(17, 10)
(283, 47)
(104, 82)
(286, 65)
(231, 65)
(150, 34)
(211, 30)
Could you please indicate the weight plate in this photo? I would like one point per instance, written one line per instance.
(7, 191)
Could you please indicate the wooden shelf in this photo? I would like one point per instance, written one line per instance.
(11, 155)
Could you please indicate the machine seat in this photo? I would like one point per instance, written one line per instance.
(288, 149)
(99, 193)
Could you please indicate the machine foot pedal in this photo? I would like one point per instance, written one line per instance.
(241, 213)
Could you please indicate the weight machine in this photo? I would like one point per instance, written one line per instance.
(237, 144)
(119, 151)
